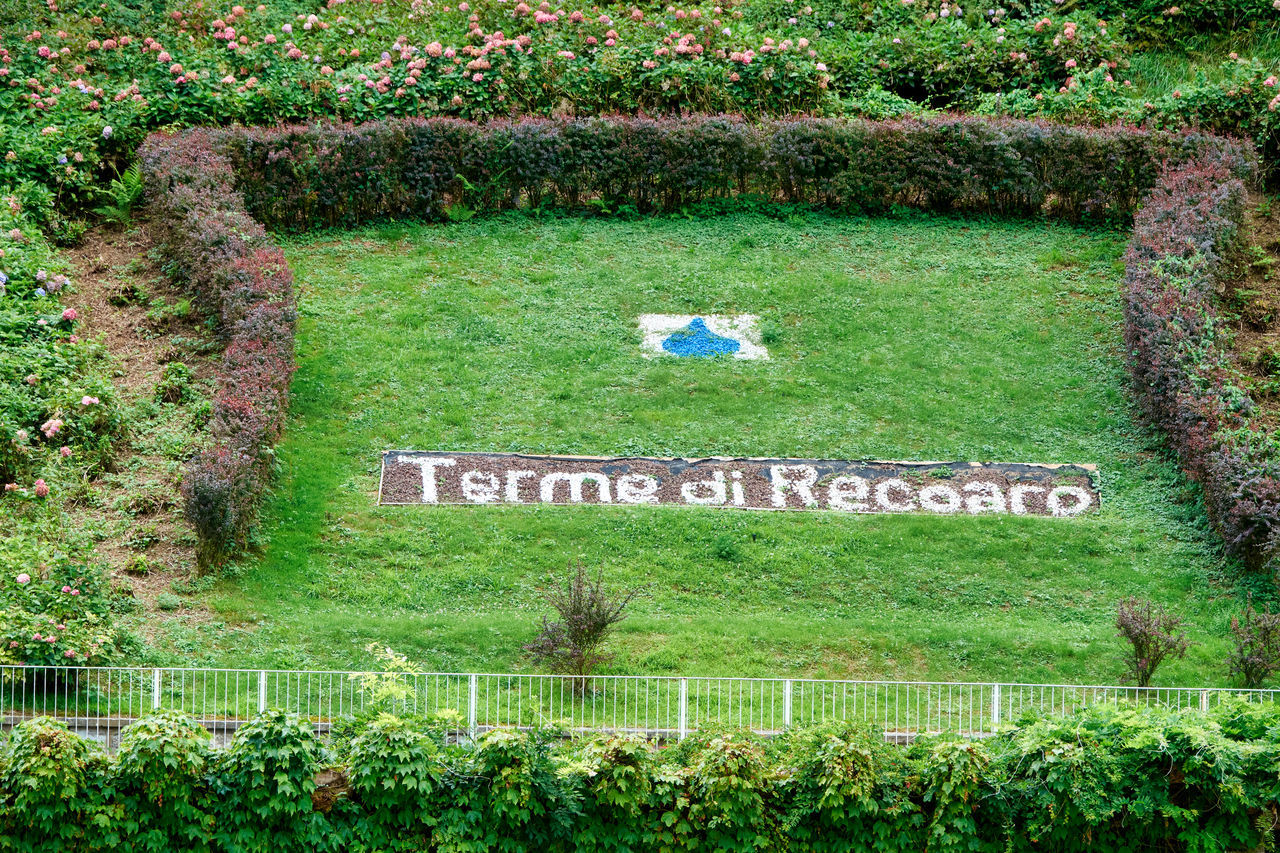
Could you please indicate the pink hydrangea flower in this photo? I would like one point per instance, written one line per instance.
(23, 578)
(65, 451)
(86, 400)
(69, 314)
(42, 489)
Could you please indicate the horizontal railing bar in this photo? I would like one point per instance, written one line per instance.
(140, 670)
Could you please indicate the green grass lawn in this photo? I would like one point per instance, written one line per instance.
(898, 338)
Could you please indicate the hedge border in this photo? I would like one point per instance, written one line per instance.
(1187, 190)
(1105, 778)
(224, 256)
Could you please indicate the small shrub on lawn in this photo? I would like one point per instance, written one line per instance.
(1256, 653)
(588, 613)
(1152, 635)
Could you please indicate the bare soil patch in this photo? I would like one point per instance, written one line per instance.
(1254, 297)
(146, 324)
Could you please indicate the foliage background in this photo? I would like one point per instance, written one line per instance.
(1112, 778)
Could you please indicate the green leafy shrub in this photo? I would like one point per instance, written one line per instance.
(955, 782)
(731, 796)
(1130, 778)
(54, 786)
(836, 785)
(174, 385)
(55, 605)
(1122, 777)
(614, 775)
(504, 795)
(160, 783)
(262, 787)
(396, 772)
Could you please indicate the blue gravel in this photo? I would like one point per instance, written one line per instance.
(699, 341)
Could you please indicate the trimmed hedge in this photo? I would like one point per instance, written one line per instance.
(1176, 268)
(1109, 779)
(227, 260)
(302, 177)
(1187, 190)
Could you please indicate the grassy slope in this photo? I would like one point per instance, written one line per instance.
(898, 338)
(1158, 72)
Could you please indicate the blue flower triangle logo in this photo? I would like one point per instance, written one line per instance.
(696, 339)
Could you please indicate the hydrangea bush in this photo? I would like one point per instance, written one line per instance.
(56, 411)
(54, 605)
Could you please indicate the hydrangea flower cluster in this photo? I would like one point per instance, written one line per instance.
(53, 609)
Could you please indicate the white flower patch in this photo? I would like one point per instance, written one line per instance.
(706, 335)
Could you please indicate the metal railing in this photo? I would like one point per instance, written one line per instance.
(99, 701)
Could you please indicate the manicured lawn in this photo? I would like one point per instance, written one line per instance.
(897, 338)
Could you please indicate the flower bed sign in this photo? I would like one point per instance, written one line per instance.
(943, 488)
(701, 336)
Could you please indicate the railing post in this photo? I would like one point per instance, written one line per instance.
(684, 708)
(262, 691)
(155, 689)
(995, 707)
(786, 704)
(1204, 701)
(473, 695)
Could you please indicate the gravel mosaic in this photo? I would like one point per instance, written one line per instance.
(940, 488)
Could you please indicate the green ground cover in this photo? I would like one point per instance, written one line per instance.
(904, 337)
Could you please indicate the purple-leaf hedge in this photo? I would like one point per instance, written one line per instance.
(340, 174)
(212, 188)
(1176, 268)
(227, 260)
